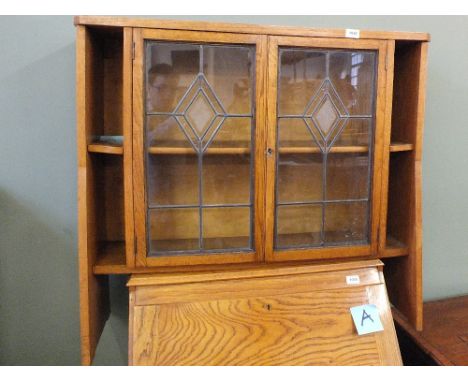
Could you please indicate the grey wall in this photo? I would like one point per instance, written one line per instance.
(38, 210)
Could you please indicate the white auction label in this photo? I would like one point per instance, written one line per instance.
(352, 33)
(353, 280)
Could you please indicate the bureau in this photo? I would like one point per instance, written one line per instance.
(208, 147)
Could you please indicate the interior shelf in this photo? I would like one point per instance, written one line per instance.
(105, 148)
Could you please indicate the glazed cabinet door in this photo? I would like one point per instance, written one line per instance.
(198, 132)
(325, 121)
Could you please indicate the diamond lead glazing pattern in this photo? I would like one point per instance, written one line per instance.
(326, 117)
(201, 113)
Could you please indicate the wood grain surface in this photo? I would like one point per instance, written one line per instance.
(295, 320)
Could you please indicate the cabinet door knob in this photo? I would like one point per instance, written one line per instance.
(269, 151)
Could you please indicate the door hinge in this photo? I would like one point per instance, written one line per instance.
(133, 51)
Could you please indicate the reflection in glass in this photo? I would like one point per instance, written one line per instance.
(325, 147)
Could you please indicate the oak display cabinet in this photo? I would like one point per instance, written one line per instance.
(206, 147)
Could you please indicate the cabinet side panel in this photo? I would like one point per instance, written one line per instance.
(94, 305)
(404, 220)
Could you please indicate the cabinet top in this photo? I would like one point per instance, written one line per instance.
(109, 21)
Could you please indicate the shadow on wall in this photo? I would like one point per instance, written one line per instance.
(38, 289)
(39, 297)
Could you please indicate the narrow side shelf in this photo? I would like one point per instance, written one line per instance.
(105, 148)
(173, 150)
(111, 259)
(394, 248)
(396, 147)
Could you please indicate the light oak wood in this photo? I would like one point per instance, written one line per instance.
(399, 147)
(404, 216)
(242, 28)
(300, 320)
(139, 164)
(105, 149)
(394, 147)
(386, 146)
(127, 120)
(112, 190)
(180, 276)
(94, 305)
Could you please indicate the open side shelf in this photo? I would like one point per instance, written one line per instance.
(401, 146)
(105, 148)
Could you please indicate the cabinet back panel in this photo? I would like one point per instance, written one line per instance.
(400, 189)
(107, 82)
(109, 201)
(406, 91)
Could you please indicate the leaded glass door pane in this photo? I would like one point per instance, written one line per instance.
(199, 126)
(325, 146)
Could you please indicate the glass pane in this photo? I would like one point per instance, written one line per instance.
(301, 75)
(199, 127)
(226, 179)
(233, 133)
(229, 71)
(173, 229)
(299, 226)
(347, 176)
(346, 223)
(226, 228)
(352, 75)
(325, 143)
(171, 68)
(294, 132)
(356, 132)
(172, 180)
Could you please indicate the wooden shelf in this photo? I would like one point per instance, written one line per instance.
(111, 255)
(394, 248)
(105, 148)
(396, 147)
(115, 149)
(245, 150)
(111, 259)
